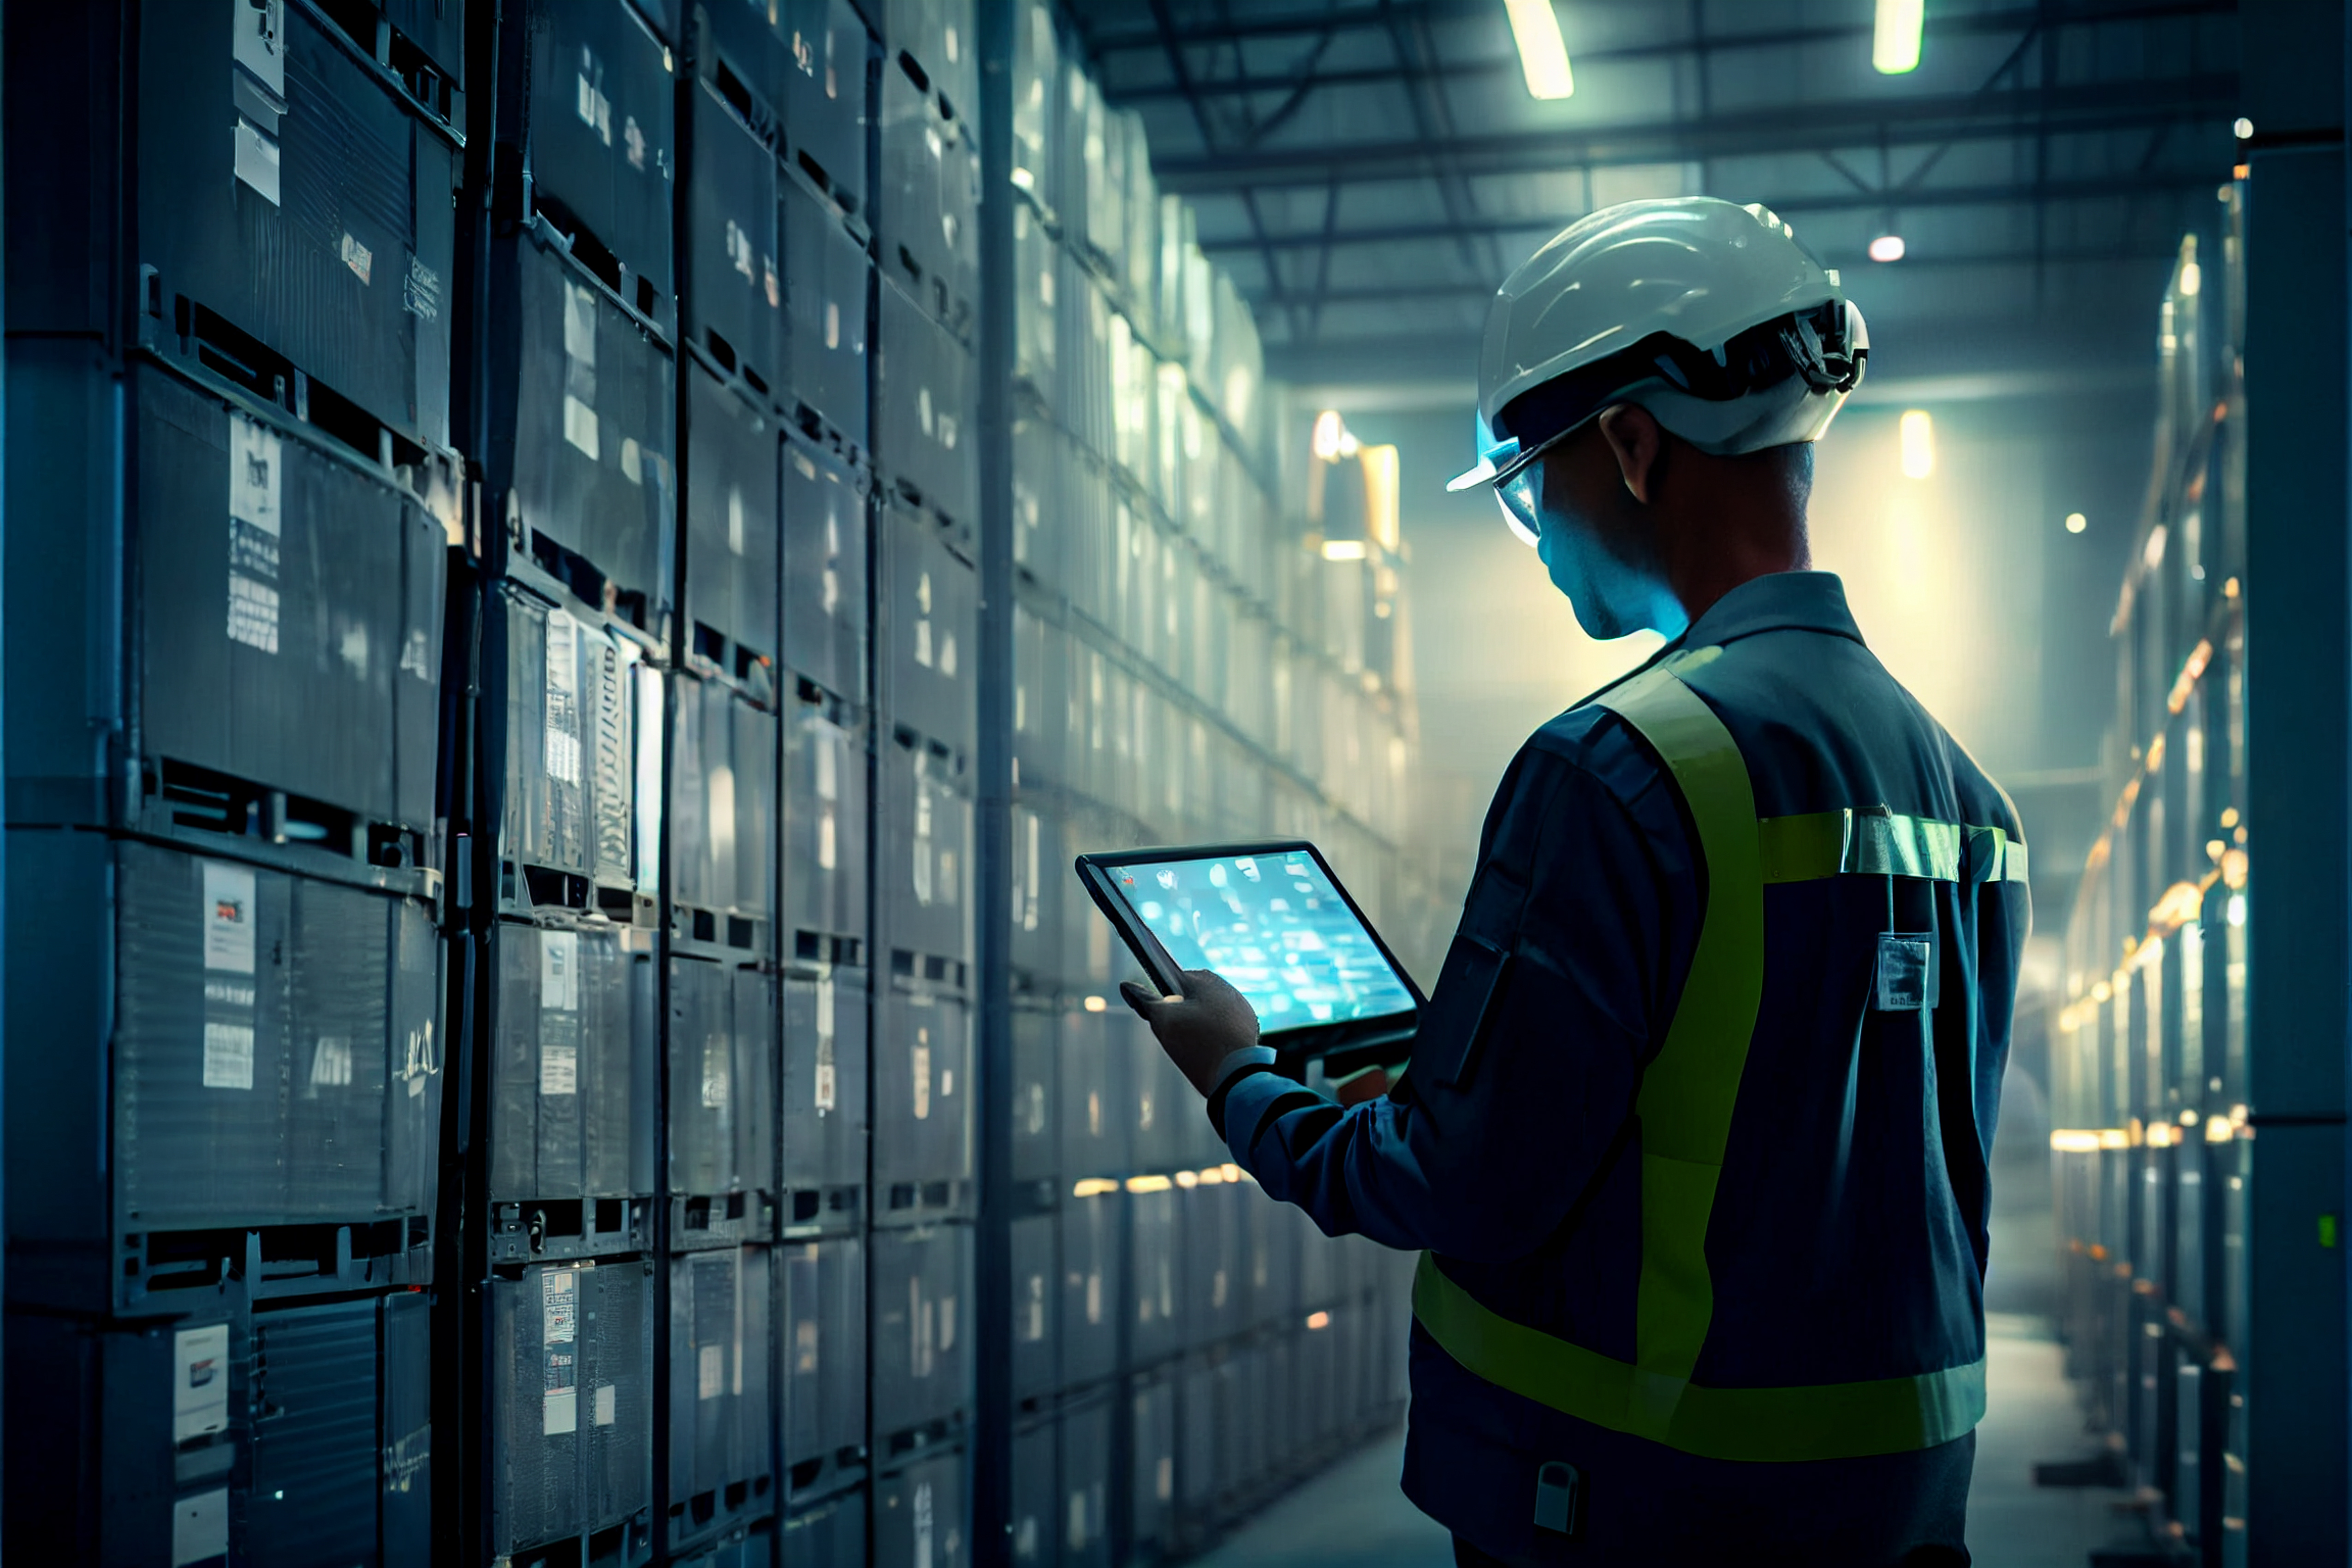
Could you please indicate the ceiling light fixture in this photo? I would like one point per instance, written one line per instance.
(2243, 128)
(1887, 248)
(2076, 522)
(1895, 40)
(1918, 432)
(1543, 53)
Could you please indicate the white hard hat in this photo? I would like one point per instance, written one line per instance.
(1710, 315)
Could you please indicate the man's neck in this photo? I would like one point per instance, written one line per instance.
(1715, 560)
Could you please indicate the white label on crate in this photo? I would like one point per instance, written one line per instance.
(579, 427)
(1094, 1297)
(946, 1324)
(580, 339)
(947, 883)
(200, 1527)
(1035, 1331)
(824, 843)
(923, 408)
(828, 763)
(831, 323)
(922, 1074)
(228, 917)
(948, 656)
(258, 40)
(735, 520)
(738, 249)
(709, 1371)
(594, 109)
(352, 646)
(559, 1068)
(199, 1381)
(228, 1055)
(559, 1302)
(559, 1334)
(775, 285)
(715, 1054)
(632, 137)
(414, 654)
(558, 1412)
(358, 257)
(420, 293)
(607, 1403)
(256, 160)
(331, 1062)
(254, 454)
(558, 971)
(948, 428)
(252, 613)
(721, 826)
(825, 1075)
(922, 1524)
(804, 1345)
(632, 460)
(562, 699)
(923, 643)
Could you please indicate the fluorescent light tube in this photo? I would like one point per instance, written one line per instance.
(1895, 41)
(1543, 53)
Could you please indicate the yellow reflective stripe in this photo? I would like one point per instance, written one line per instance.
(1823, 1421)
(1689, 1089)
(1848, 842)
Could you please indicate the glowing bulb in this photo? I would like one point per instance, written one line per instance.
(1895, 40)
(1543, 53)
(2243, 129)
(1343, 550)
(2193, 278)
(2076, 522)
(1887, 248)
(1917, 433)
(1327, 432)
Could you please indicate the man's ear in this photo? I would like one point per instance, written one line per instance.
(1634, 437)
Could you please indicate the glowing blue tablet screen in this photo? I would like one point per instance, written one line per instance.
(1273, 926)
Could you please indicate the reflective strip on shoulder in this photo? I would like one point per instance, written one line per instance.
(1788, 1426)
(1851, 843)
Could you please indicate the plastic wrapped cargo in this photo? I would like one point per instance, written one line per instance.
(923, 1091)
(825, 524)
(924, 410)
(825, 1097)
(575, 1062)
(719, 1409)
(1036, 336)
(278, 1046)
(920, 1347)
(924, 879)
(731, 536)
(571, 1399)
(734, 296)
(582, 426)
(828, 282)
(922, 1514)
(825, 102)
(722, 1130)
(724, 755)
(927, 643)
(826, 808)
(295, 208)
(313, 665)
(939, 37)
(1037, 103)
(823, 1338)
(925, 224)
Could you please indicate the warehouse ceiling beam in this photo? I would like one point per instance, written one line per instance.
(2140, 182)
(1700, 45)
(1812, 127)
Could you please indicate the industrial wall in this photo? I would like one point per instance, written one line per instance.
(499, 811)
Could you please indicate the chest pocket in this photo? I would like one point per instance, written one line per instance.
(1455, 1023)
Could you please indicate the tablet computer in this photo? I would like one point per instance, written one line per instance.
(1273, 921)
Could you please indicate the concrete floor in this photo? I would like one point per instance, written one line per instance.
(1352, 1516)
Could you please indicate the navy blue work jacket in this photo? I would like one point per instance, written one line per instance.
(1849, 1232)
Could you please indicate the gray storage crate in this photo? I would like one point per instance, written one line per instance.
(939, 35)
(1156, 1288)
(576, 1066)
(828, 291)
(731, 536)
(722, 1086)
(735, 288)
(296, 212)
(1151, 1472)
(824, 1121)
(924, 409)
(1211, 1269)
(824, 533)
(923, 1099)
(1162, 1106)
(922, 1515)
(583, 424)
(1041, 699)
(596, 127)
(927, 652)
(827, 807)
(1084, 1522)
(825, 98)
(1036, 1300)
(923, 875)
(1271, 1243)
(582, 741)
(721, 1451)
(724, 754)
(921, 1345)
(1034, 1538)
(1093, 1276)
(1037, 1132)
(926, 221)
(1093, 1094)
(1199, 1415)
(828, 1534)
(571, 1400)
(823, 1338)
(299, 648)
(278, 1046)
(752, 1545)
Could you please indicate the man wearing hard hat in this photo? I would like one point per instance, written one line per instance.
(1693, 1137)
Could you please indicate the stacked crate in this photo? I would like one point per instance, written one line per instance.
(2155, 1154)
(1183, 1348)
(230, 378)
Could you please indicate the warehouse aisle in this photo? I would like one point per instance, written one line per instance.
(1352, 1516)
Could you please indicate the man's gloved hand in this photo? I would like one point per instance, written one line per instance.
(1198, 1029)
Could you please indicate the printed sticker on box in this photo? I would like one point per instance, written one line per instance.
(199, 1381)
(709, 1371)
(825, 1075)
(200, 1527)
(559, 1333)
(228, 917)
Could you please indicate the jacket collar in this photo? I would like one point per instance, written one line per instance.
(1782, 601)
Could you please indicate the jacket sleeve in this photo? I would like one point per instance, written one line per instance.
(1573, 940)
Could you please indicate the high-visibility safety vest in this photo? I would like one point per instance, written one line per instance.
(1685, 1105)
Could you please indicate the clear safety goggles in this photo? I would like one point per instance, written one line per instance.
(1516, 481)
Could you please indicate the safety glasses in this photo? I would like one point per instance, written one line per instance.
(1514, 477)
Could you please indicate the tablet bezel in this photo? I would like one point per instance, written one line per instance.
(1301, 1040)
